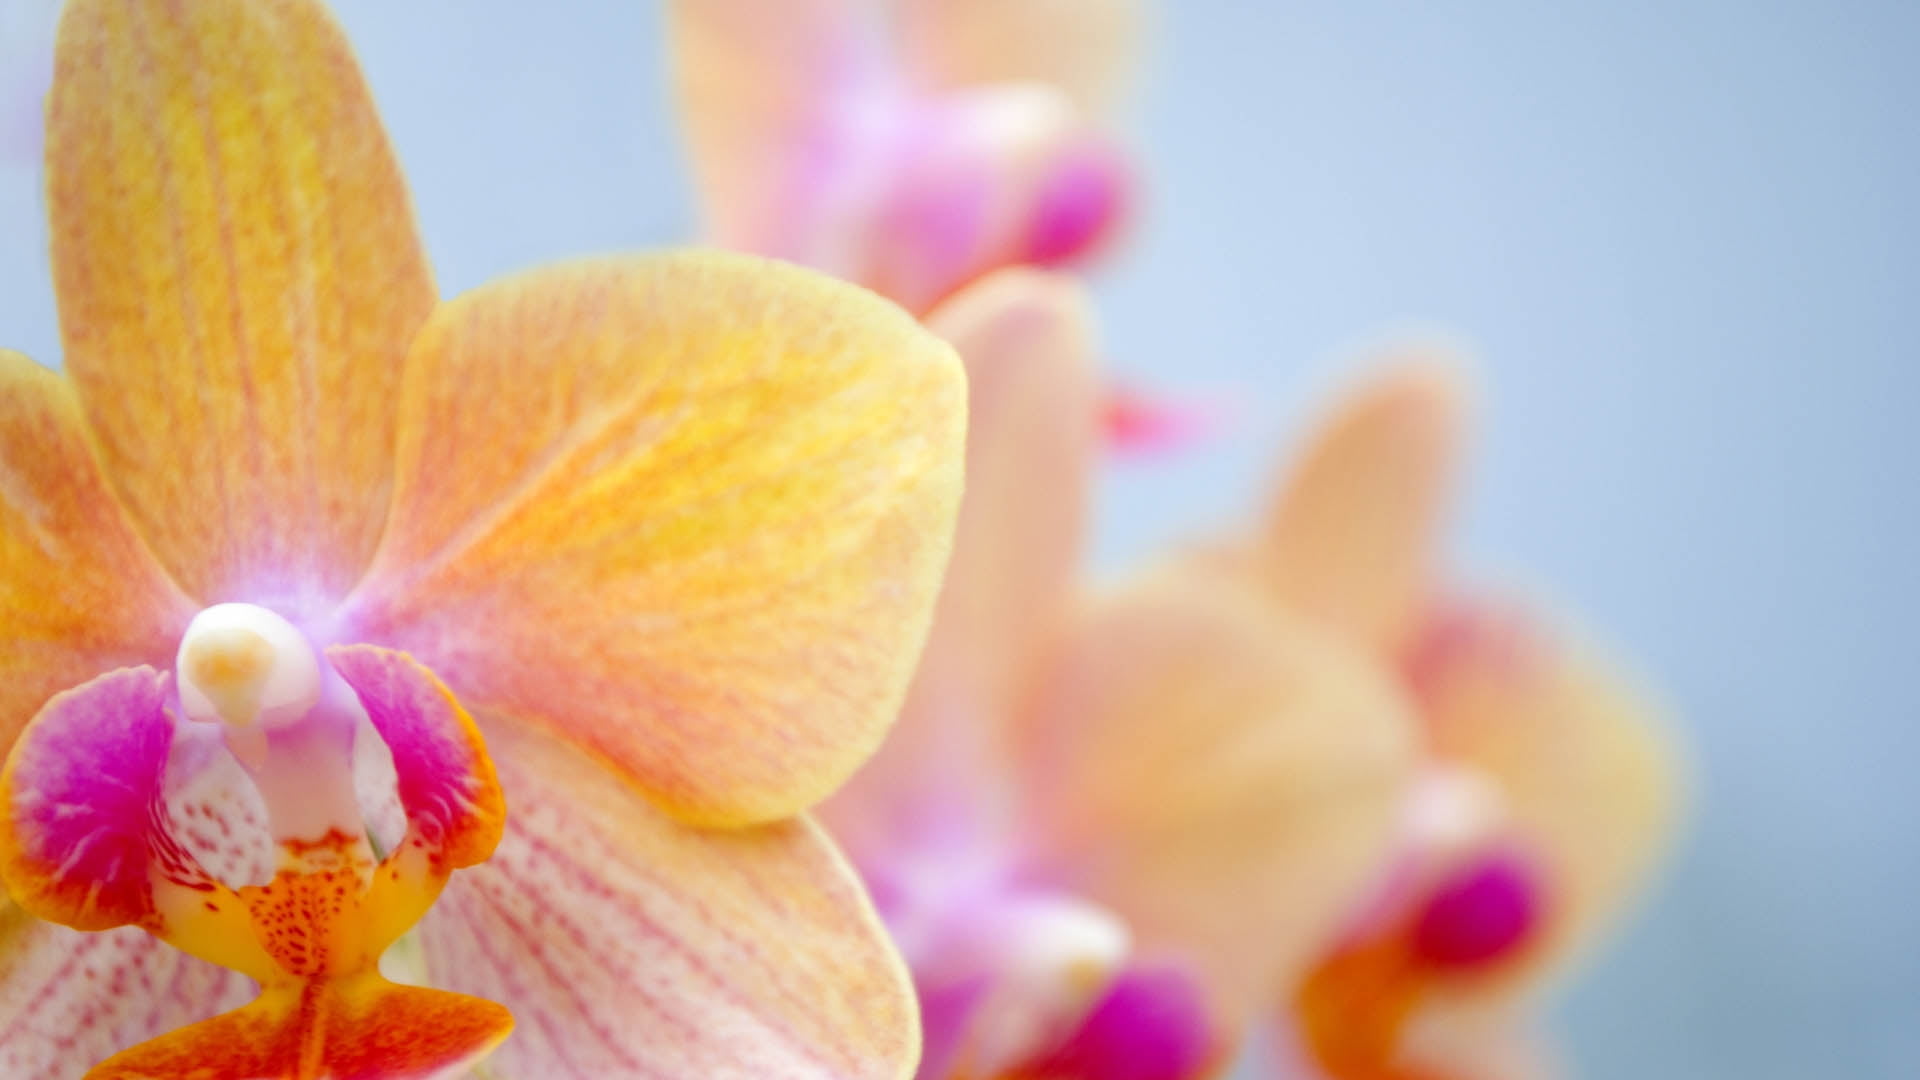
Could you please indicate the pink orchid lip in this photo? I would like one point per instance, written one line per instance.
(1080, 204)
(1481, 914)
(1003, 969)
(1152, 1024)
(290, 716)
(92, 838)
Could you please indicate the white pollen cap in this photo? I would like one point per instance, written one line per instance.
(1453, 810)
(247, 667)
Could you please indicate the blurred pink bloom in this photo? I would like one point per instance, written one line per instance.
(908, 145)
(1109, 822)
(1548, 786)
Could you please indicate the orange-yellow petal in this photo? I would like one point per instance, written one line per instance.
(689, 511)
(1026, 339)
(1350, 539)
(362, 1028)
(1586, 770)
(627, 944)
(1086, 48)
(1223, 777)
(69, 998)
(765, 92)
(239, 278)
(79, 593)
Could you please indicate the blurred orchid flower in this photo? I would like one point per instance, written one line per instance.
(1093, 805)
(1548, 786)
(908, 145)
(291, 534)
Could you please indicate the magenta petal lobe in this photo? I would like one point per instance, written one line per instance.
(84, 816)
(1151, 1025)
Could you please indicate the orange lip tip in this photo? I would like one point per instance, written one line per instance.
(364, 1026)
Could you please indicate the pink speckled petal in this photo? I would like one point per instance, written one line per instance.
(1026, 338)
(628, 945)
(68, 999)
(214, 810)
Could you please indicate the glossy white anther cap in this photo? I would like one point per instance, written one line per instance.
(1452, 810)
(246, 667)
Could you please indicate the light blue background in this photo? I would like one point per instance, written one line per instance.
(1682, 236)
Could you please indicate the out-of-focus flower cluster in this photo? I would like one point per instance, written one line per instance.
(1296, 781)
(606, 587)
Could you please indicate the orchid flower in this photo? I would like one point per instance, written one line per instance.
(908, 145)
(317, 589)
(1096, 801)
(1548, 783)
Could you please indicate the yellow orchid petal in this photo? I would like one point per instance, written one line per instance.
(79, 593)
(67, 998)
(627, 944)
(239, 278)
(1225, 779)
(1350, 538)
(1086, 48)
(1026, 339)
(689, 511)
(1587, 774)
